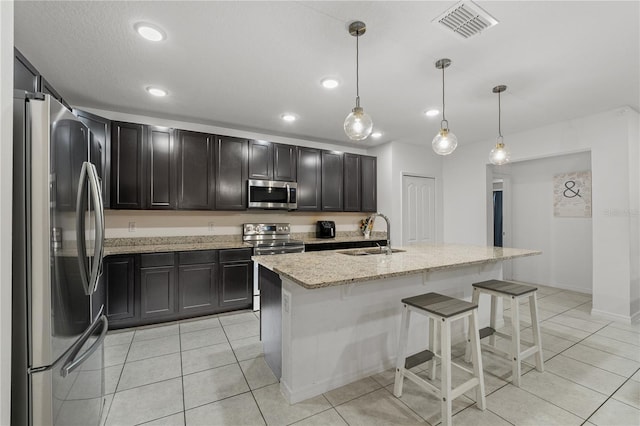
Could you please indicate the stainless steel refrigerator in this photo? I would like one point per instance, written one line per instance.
(58, 321)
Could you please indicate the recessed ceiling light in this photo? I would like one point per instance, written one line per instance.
(155, 91)
(432, 113)
(288, 117)
(149, 32)
(329, 83)
(376, 135)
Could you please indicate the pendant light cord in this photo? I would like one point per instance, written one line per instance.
(443, 117)
(499, 117)
(357, 70)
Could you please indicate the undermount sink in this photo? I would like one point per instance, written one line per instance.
(368, 252)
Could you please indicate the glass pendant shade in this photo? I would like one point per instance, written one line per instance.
(500, 154)
(358, 125)
(445, 142)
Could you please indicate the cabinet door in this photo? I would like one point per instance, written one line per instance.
(157, 291)
(127, 165)
(232, 160)
(309, 179)
(25, 75)
(195, 171)
(260, 160)
(119, 278)
(101, 149)
(161, 182)
(369, 183)
(332, 182)
(352, 183)
(236, 282)
(284, 162)
(197, 288)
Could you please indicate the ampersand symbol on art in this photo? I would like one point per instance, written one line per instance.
(569, 192)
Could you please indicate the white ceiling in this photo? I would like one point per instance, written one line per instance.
(242, 64)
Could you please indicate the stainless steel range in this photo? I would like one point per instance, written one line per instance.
(271, 238)
(268, 238)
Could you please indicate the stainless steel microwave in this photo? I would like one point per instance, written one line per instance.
(269, 194)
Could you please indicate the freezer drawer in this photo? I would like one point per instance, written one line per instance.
(71, 392)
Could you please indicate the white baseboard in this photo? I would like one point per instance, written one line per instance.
(628, 319)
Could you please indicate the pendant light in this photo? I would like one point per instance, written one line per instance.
(358, 124)
(499, 155)
(445, 141)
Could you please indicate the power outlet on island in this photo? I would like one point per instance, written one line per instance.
(211, 227)
(132, 227)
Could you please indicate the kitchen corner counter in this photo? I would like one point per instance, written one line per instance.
(330, 268)
(115, 246)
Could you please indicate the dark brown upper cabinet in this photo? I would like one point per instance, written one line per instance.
(260, 160)
(332, 181)
(284, 162)
(368, 183)
(127, 165)
(25, 75)
(196, 184)
(352, 187)
(101, 148)
(272, 161)
(309, 179)
(231, 173)
(162, 179)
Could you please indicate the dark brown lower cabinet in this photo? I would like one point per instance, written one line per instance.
(119, 275)
(157, 291)
(236, 281)
(197, 284)
(157, 287)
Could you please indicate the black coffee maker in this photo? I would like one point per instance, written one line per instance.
(325, 229)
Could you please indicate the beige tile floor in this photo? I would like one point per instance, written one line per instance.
(212, 372)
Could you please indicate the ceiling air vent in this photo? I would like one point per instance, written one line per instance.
(466, 19)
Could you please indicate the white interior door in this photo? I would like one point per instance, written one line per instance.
(418, 210)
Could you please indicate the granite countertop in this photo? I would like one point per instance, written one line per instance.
(115, 246)
(169, 244)
(329, 268)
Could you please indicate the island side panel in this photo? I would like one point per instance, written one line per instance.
(336, 335)
(271, 318)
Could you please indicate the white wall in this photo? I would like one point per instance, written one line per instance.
(566, 243)
(6, 155)
(634, 210)
(394, 159)
(609, 136)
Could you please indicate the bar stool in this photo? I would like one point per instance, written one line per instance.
(515, 292)
(442, 310)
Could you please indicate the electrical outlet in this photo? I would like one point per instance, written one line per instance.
(210, 226)
(132, 227)
(285, 302)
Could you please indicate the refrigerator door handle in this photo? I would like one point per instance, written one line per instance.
(74, 361)
(96, 194)
(83, 261)
(90, 274)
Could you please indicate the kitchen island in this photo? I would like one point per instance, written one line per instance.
(330, 318)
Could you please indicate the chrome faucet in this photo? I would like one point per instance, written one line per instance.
(372, 218)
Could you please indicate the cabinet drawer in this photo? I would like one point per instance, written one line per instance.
(156, 259)
(194, 257)
(235, 255)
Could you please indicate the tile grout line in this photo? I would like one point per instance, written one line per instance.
(244, 376)
(611, 396)
(115, 391)
(184, 403)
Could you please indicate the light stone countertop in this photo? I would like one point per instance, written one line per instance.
(329, 268)
(115, 246)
